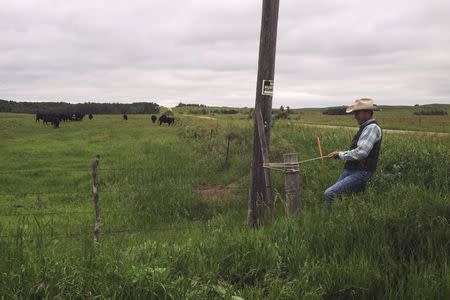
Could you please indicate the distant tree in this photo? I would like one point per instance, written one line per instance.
(288, 109)
(281, 108)
(83, 108)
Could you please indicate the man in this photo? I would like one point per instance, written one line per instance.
(362, 158)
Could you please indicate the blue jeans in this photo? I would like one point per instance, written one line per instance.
(351, 181)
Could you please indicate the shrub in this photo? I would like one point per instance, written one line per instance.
(281, 115)
(335, 111)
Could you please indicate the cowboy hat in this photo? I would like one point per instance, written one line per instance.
(361, 104)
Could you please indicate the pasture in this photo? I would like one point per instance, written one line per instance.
(174, 207)
(393, 117)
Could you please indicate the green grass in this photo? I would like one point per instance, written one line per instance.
(390, 117)
(162, 240)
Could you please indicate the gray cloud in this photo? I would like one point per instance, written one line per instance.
(328, 53)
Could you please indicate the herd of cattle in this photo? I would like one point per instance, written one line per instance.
(162, 119)
(55, 119)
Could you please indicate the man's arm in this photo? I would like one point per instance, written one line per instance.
(370, 135)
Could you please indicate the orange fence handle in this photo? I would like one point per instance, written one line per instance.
(320, 148)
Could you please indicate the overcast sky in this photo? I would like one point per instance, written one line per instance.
(205, 51)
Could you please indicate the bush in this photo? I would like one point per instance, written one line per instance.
(335, 111)
(225, 111)
(181, 104)
(281, 115)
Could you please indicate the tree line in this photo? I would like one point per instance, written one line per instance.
(431, 112)
(83, 108)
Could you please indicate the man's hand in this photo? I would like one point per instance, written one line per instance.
(334, 154)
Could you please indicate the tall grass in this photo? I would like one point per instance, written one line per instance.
(161, 240)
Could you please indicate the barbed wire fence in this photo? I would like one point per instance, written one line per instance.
(15, 210)
(30, 201)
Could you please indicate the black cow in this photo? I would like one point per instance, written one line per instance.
(52, 119)
(125, 117)
(55, 122)
(91, 116)
(39, 117)
(166, 119)
(63, 117)
(154, 118)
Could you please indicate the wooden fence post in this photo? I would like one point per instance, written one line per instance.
(291, 181)
(95, 164)
(228, 137)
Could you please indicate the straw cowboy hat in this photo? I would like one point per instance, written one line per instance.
(361, 104)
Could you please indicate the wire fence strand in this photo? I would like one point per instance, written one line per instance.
(15, 210)
(90, 233)
(131, 190)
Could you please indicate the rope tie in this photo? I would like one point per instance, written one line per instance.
(294, 166)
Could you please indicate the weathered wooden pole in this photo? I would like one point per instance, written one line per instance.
(291, 183)
(260, 190)
(95, 164)
(228, 137)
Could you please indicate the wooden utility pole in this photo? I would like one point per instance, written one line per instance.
(260, 190)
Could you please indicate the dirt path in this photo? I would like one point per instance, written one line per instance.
(212, 191)
(202, 117)
(396, 131)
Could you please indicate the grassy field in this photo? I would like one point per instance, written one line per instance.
(174, 214)
(391, 117)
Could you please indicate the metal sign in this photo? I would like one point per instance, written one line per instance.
(267, 87)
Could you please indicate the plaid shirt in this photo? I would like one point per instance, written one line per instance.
(370, 135)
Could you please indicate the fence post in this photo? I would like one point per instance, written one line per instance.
(95, 164)
(228, 137)
(291, 181)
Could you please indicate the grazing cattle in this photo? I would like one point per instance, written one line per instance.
(52, 119)
(77, 117)
(153, 118)
(39, 117)
(46, 118)
(125, 117)
(91, 116)
(166, 119)
(55, 118)
(61, 116)
(55, 122)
